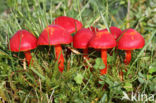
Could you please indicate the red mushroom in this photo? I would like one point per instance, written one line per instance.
(23, 41)
(103, 40)
(70, 24)
(81, 39)
(129, 41)
(116, 32)
(55, 35)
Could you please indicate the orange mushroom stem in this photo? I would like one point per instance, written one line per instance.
(28, 57)
(104, 58)
(127, 57)
(126, 61)
(85, 52)
(59, 57)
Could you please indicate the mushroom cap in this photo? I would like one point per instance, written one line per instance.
(53, 35)
(22, 40)
(130, 40)
(82, 37)
(70, 24)
(102, 40)
(116, 32)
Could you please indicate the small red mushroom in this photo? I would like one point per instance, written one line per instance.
(103, 40)
(129, 41)
(55, 35)
(23, 41)
(81, 39)
(70, 24)
(116, 32)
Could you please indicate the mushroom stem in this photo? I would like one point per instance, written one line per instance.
(85, 53)
(59, 57)
(104, 58)
(28, 57)
(127, 57)
(126, 61)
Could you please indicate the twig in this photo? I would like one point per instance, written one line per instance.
(74, 51)
(51, 96)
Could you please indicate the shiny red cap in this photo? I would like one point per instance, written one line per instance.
(70, 24)
(130, 40)
(102, 40)
(81, 38)
(53, 35)
(116, 32)
(22, 40)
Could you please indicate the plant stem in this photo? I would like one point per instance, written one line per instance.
(128, 13)
(104, 58)
(127, 57)
(59, 57)
(28, 57)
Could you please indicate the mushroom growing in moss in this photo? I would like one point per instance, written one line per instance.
(103, 40)
(129, 41)
(23, 41)
(55, 35)
(81, 39)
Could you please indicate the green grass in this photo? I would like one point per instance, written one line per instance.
(43, 83)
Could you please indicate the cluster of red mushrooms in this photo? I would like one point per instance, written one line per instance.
(59, 32)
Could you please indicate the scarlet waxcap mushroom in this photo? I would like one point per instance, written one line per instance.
(129, 41)
(70, 24)
(116, 32)
(55, 35)
(103, 40)
(81, 39)
(23, 41)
